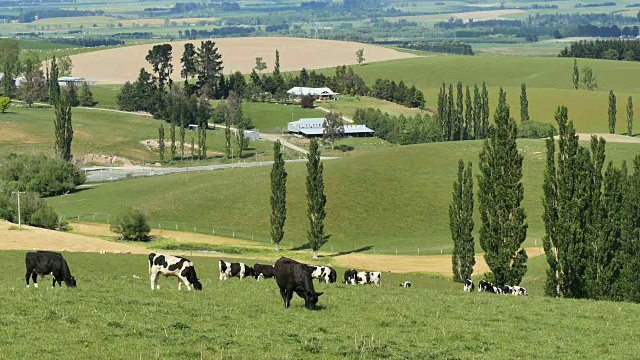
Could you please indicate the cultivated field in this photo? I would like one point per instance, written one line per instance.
(116, 66)
(465, 16)
(380, 200)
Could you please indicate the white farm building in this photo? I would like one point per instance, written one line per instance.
(317, 93)
(314, 127)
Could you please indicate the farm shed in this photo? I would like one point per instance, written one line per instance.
(317, 93)
(314, 127)
(249, 134)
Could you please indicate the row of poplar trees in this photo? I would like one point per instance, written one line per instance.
(316, 198)
(592, 222)
(613, 114)
(462, 118)
(503, 227)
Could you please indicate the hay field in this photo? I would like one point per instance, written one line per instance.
(116, 66)
(465, 16)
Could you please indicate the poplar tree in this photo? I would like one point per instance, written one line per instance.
(278, 195)
(54, 87)
(630, 233)
(468, 118)
(183, 125)
(630, 116)
(454, 126)
(576, 74)
(443, 113)
(161, 142)
(63, 129)
(477, 113)
(550, 215)
(173, 137)
(203, 114)
(227, 136)
(460, 112)
(485, 111)
(524, 104)
(612, 112)
(461, 224)
(316, 199)
(503, 228)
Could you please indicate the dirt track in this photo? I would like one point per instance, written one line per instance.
(116, 66)
(611, 138)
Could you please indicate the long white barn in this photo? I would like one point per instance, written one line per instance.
(314, 127)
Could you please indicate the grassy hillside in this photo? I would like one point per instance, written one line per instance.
(223, 319)
(395, 198)
(98, 132)
(274, 117)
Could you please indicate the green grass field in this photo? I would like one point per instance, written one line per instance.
(113, 314)
(393, 198)
(347, 105)
(30, 131)
(273, 118)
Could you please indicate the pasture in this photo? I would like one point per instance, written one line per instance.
(114, 314)
(383, 200)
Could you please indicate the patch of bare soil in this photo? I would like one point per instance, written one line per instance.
(612, 138)
(410, 263)
(100, 159)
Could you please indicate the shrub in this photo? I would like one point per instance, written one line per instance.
(134, 226)
(33, 210)
(4, 104)
(45, 217)
(535, 130)
(40, 174)
(72, 93)
(307, 102)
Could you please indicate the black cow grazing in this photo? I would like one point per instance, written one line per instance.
(324, 274)
(507, 290)
(519, 291)
(177, 266)
(486, 286)
(265, 271)
(239, 270)
(293, 276)
(468, 285)
(350, 276)
(405, 284)
(45, 263)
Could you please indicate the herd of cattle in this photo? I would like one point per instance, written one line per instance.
(291, 276)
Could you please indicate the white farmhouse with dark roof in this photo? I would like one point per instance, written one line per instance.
(314, 127)
(317, 93)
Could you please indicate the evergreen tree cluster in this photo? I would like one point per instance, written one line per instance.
(447, 47)
(87, 41)
(615, 49)
(458, 123)
(592, 222)
(398, 93)
(402, 130)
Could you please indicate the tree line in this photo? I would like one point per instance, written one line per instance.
(615, 49)
(417, 129)
(462, 118)
(399, 93)
(447, 47)
(87, 41)
(30, 16)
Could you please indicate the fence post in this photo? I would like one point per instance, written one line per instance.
(418, 251)
(214, 231)
(440, 251)
(234, 233)
(252, 237)
(194, 229)
(78, 217)
(159, 226)
(176, 226)
(396, 251)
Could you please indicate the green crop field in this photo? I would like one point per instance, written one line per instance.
(114, 314)
(30, 131)
(273, 118)
(393, 198)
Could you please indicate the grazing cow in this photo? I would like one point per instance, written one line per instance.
(350, 276)
(293, 276)
(486, 286)
(324, 274)
(507, 290)
(468, 285)
(46, 262)
(265, 271)
(239, 270)
(405, 284)
(177, 266)
(368, 277)
(519, 291)
(497, 290)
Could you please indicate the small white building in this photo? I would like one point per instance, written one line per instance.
(317, 93)
(314, 127)
(249, 134)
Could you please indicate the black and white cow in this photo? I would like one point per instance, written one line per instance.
(239, 270)
(47, 262)
(507, 290)
(468, 285)
(486, 286)
(264, 271)
(519, 291)
(292, 276)
(368, 277)
(324, 274)
(350, 276)
(177, 266)
(405, 284)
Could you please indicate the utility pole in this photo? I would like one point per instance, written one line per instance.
(19, 218)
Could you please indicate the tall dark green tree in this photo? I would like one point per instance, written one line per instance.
(174, 121)
(443, 113)
(227, 136)
(10, 62)
(460, 112)
(188, 61)
(461, 224)
(316, 199)
(203, 115)
(524, 104)
(576, 75)
(504, 226)
(63, 129)
(485, 111)
(612, 112)
(630, 116)
(54, 86)
(452, 117)
(161, 142)
(209, 68)
(477, 113)
(278, 195)
(468, 117)
(629, 279)
(550, 215)
(159, 57)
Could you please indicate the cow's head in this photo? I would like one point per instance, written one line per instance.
(197, 285)
(71, 282)
(332, 276)
(311, 299)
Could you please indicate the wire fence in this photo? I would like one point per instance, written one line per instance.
(336, 246)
